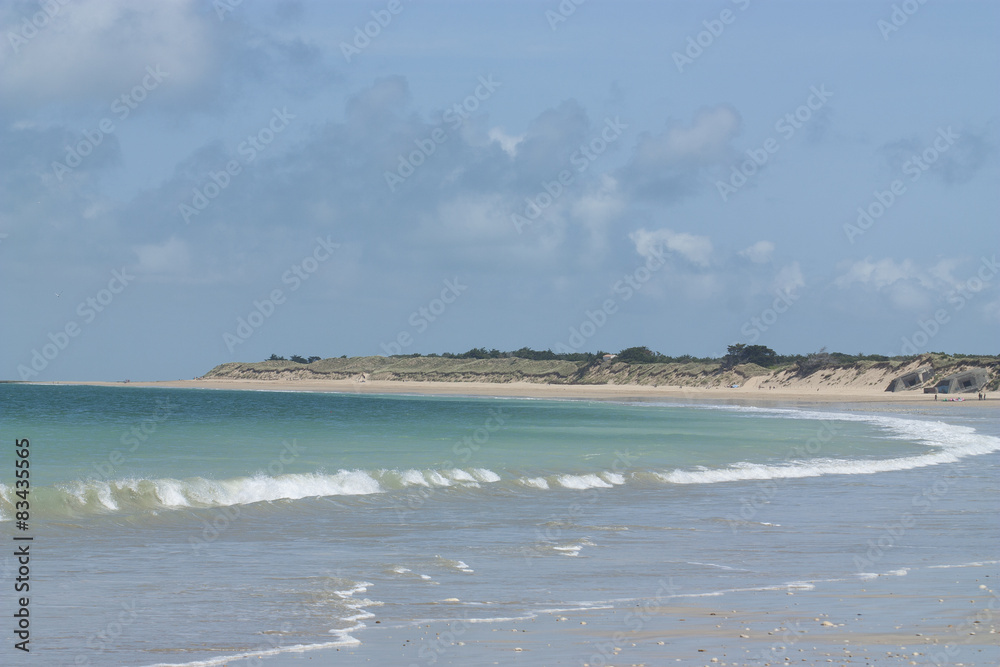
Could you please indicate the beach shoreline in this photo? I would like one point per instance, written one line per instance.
(824, 395)
(856, 566)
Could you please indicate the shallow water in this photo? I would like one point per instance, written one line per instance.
(196, 526)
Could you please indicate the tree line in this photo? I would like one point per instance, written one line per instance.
(295, 358)
(736, 354)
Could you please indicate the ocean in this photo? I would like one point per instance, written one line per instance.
(212, 527)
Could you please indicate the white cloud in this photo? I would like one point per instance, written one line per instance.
(907, 295)
(944, 270)
(704, 141)
(596, 209)
(97, 50)
(695, 249)
(905, 284)
(600, 206)
(759, 253)
(789, 278)
(507, 142)
(170, 257)
(669, 165)
(878, 274)
(992, 311)
(706, 137)
(465, 218)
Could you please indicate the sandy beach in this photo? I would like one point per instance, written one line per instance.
(748, 394)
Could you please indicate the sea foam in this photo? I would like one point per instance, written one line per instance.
(951, 442)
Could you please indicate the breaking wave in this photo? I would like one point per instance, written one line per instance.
(947, 443)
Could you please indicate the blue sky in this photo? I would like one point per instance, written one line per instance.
(190, 183)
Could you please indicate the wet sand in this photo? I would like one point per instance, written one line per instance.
(864, 623)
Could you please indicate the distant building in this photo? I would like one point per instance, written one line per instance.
(609, 357)
(911, 380)
(964, 382)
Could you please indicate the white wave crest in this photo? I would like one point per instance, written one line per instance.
(200, 492)
(459, 565)
(582, 482)
(484, 475)
(951, 443)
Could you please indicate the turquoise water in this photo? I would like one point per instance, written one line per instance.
(225, 523)
(105, 439)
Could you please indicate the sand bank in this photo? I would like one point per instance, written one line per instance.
(749, 394)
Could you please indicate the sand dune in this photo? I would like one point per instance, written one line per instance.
(861, 382)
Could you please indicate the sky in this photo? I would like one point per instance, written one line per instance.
(188, 183)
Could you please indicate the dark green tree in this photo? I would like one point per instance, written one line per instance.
(741, 353)
(638, 355)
